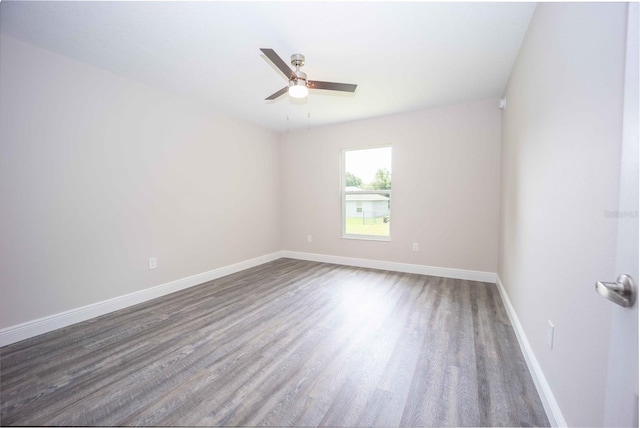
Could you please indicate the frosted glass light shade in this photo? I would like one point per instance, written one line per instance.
(298, 88)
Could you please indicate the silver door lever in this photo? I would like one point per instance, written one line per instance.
(621, 292)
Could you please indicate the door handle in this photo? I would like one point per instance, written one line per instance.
(622, 292)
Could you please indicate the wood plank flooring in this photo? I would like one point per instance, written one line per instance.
(287, 343)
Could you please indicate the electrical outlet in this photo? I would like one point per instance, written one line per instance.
(415, 247)
(309, 238)
(153, 263)
(550, 335)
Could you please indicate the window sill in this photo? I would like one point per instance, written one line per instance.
(367, 238)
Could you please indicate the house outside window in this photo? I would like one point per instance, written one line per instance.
(366, 193)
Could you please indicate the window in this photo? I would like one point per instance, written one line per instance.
(366, 193)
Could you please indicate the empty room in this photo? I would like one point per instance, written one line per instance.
(386, 214)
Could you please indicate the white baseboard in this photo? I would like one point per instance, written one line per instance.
(551, 407)
(49, 323)
(470, 275)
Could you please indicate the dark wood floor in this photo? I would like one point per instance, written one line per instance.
(288, 343)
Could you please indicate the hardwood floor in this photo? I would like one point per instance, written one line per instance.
(287, 343)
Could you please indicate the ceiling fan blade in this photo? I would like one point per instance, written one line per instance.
(332, 86)
(278, 62)
(277, 94)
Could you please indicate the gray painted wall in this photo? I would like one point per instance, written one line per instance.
(98, 173)
(561, 139)
(446, 172)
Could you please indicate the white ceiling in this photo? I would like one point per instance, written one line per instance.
(403, 56)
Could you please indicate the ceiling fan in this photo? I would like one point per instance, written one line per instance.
(298, 84)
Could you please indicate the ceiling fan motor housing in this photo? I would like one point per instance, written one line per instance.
(300, 75)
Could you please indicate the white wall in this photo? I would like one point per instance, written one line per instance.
(98, 173)
(561, 136)
(445, 187)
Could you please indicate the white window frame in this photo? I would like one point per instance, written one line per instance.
(344, 193)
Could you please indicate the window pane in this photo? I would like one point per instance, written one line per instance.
(373, 218)
(367, 213)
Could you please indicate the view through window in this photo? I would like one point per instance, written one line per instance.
(366, 200)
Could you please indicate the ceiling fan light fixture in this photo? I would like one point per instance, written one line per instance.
(298, 88)
(299, 85)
